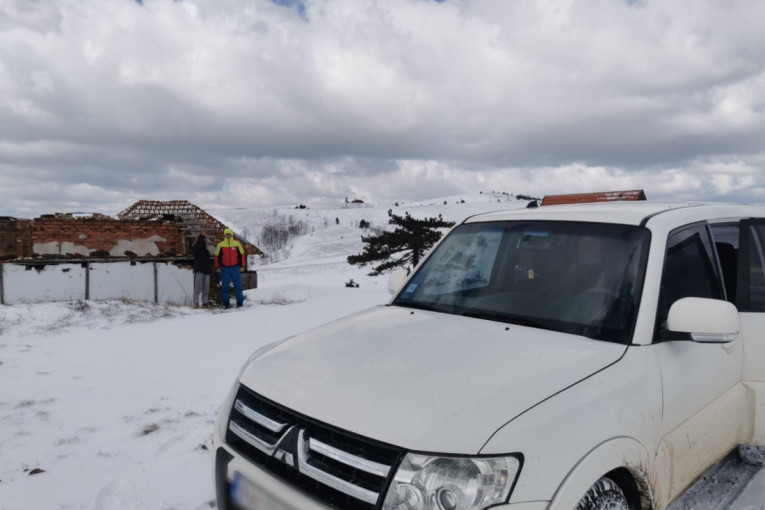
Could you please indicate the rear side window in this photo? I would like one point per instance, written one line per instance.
(726, 237)
(751, 296)
(690, 270)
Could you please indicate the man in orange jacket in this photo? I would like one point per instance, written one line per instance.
(230, 259)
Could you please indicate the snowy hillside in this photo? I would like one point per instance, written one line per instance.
(110, 406)
(332, 231)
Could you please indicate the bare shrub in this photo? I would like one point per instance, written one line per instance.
(277, 234)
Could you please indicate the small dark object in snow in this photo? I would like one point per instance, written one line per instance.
(149, 429)
(36, 471)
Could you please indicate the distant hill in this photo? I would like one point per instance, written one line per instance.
(325, 234)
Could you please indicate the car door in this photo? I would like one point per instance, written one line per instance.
(702, 397)
(750, 301)
(741, 249)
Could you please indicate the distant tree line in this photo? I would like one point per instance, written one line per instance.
(276, 235)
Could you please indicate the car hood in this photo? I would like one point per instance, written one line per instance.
(422, 380)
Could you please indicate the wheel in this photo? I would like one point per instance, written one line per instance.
(751, 454)
(604, 495)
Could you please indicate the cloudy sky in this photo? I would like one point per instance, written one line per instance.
(241, 103)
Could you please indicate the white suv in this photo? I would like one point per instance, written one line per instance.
(584, 356)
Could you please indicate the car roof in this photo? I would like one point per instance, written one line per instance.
(628, 213)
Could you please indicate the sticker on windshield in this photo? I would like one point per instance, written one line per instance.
(411, 288)
(535, 233)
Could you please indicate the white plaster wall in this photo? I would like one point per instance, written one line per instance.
(50, 283)
(116, 280)
(60, 248)
(140, 247)
(120, 280)
(176, 285)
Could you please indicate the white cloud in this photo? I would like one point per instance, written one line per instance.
(403, 97)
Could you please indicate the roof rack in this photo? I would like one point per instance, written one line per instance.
(602, 196)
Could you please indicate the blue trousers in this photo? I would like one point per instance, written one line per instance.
(231, 274)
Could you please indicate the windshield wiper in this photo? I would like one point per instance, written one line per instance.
(505, 317)
(478, 314)
(418, 306)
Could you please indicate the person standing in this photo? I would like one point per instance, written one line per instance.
(230, 259)
(202, 270)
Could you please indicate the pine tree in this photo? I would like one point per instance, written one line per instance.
(404, 245)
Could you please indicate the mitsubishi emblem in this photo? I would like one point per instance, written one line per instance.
(285, 457)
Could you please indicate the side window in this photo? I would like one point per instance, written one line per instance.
(752, 278)
(689, 271)
(726, 237)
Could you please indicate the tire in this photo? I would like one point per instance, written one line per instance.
(604, 495)
(751, 454)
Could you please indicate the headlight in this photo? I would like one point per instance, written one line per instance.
(424, 482)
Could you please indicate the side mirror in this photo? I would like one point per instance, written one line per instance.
(707, 320)
(396, 280)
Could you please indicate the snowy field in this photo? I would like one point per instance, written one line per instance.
(110, 405)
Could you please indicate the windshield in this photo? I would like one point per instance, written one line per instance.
(579, 278)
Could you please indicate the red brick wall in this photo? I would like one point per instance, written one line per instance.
(15, 238)
(63, 234)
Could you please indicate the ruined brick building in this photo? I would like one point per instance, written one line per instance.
(148, 228)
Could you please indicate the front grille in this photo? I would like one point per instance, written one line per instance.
(342, 470)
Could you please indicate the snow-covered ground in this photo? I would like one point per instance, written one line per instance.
(110, 405)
